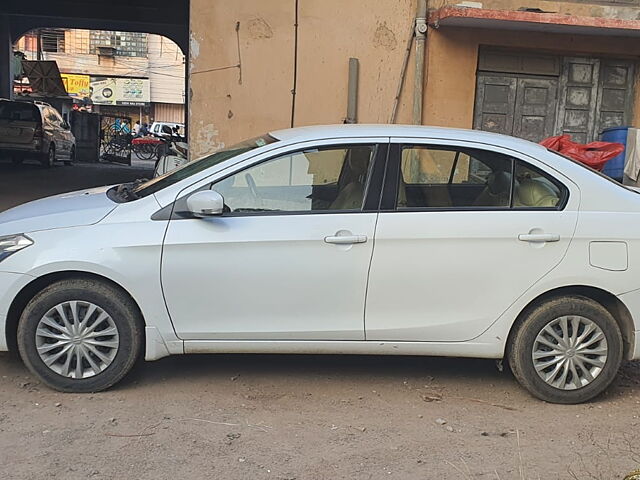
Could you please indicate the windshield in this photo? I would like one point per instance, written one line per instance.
(191, 168)
(25, 112)
(600, 174)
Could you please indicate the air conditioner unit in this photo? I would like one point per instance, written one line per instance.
(106, 51)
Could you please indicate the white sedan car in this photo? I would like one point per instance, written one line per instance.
(338, 239)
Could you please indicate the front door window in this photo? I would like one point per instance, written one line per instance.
(327, 179)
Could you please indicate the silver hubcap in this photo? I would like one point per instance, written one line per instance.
(77, 339)
(570, 352)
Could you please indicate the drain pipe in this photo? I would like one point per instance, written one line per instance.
(421, 37)
(352, 97)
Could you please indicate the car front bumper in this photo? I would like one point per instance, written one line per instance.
(10, 285)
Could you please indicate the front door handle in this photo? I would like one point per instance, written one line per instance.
(539, 237)
(345, 239)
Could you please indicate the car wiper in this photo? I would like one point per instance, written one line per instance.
(127, 191)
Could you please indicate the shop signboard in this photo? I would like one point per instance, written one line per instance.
(77, 86)
(120, 91)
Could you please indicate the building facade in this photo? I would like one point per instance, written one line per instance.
(136, 75)
(530, 69)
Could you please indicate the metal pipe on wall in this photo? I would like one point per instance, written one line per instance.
(421, 37)
(403, 73)
(352, 97)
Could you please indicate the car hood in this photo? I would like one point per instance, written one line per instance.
(84, 207)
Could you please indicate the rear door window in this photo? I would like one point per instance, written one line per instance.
(433, 176)
(441, 177)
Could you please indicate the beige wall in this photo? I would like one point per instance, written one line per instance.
(223, 110)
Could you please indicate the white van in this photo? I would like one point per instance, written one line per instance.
(156, 128)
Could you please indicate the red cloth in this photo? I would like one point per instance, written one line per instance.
(144, 140)
(594, 154)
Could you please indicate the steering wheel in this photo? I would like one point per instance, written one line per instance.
(252, 185)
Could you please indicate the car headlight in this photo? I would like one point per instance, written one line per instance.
(11, 244)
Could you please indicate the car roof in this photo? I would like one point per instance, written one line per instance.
(301, 134)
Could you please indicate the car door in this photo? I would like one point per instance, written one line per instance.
(55, 130)
(63, 134)
(472, 228)
(289, 259)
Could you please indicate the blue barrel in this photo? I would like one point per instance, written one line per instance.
(614, 168)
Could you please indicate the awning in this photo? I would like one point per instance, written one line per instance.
(532, 21)
(44, 77)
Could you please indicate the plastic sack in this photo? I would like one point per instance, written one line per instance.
(594, 154)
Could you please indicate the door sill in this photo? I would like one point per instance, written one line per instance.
(347, 347)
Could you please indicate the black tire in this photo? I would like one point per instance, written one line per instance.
(50, 158)
(72, 157)
(114, 302)
(520, 349)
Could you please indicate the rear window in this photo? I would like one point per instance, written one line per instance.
(24, 112)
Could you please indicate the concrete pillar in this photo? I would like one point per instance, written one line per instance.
(6, 57)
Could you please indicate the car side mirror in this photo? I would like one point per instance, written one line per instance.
(167, 129)
(205, 203)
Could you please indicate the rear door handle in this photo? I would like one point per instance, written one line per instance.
(539, 237)
(345, 239)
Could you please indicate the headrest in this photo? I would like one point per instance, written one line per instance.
(532, 193)
(359, 160)
(499, 182)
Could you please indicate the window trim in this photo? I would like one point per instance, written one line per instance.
(390, 190)
(177, 210)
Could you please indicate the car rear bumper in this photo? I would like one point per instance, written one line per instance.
(632, 301)
(10, 285)
(24, 148)
(636, 353)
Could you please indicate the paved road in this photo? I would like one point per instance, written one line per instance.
(19, 184)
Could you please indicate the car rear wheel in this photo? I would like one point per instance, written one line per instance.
(566, 350)
(50, 159)
(80, 335)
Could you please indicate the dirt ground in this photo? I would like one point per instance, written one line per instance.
(302, 417)
(314, 417)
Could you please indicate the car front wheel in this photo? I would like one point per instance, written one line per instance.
(566, 350)
(80, 335)
(72, 157)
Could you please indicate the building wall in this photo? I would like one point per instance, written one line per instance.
(166, 71)
(77, 59)
(168, 112)
(224, 109)
(163, 64)
(453, 58)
